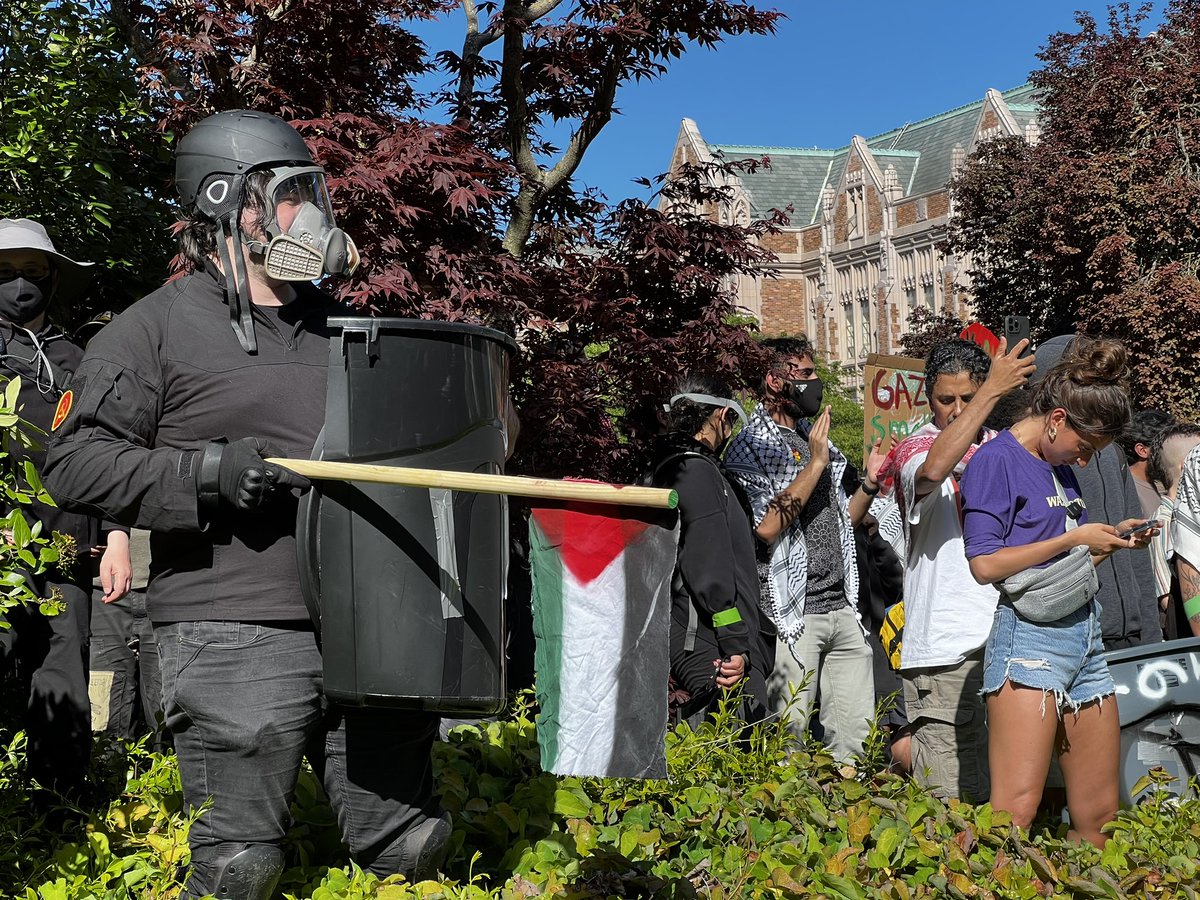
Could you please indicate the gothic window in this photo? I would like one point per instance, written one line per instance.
(856, 213)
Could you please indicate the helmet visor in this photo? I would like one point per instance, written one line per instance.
(292, 188)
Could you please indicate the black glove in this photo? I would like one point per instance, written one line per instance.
(238, 474)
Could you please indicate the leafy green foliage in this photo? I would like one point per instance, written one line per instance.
(846, 414)
(744, 814)
(79, 152)
(25, 550)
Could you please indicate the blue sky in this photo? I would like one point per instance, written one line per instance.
(833, 70)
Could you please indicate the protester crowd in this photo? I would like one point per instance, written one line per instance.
(1033, 523)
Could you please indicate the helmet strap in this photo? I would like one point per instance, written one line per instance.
(240, 314)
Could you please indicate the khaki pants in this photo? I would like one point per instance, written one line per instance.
(949, 729)
(835, 650)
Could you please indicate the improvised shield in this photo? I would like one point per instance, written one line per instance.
(407, 585)
(1158, 698)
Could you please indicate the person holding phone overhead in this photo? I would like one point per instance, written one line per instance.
(1026, 530)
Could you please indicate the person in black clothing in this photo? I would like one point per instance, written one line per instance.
(171, 426)
(717, 639)
(47, 655)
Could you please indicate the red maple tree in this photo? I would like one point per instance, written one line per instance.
(478, 218)
(1097, 226)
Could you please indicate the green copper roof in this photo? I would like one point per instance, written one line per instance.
(921, 152)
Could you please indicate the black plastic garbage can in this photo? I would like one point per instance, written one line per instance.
(407, 584)
(1158, 697)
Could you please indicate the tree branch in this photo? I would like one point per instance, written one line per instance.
(537, 183)
(539, 8)
(123, 19)
(473, 44)
(512, 89)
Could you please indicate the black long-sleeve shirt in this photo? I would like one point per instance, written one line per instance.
(160, 382)
(715, 563)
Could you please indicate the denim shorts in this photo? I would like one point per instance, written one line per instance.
(1065, 657)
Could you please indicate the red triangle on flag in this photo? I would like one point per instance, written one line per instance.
(589, 537)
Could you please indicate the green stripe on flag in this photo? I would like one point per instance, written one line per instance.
(546, 568)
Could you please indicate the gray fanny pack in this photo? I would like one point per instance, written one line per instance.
(1057, 590)
(1051, 592)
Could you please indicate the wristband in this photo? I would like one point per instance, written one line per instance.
(1191, 608)
(862, 486)
(726, 617)
(208, 478)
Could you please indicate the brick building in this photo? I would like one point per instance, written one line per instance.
(861, 250)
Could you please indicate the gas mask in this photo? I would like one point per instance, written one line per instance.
(806, 394)
(311, 245)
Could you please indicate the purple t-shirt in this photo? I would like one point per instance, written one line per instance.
(1009, 498)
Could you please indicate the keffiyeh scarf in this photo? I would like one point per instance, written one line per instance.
(762, 461)
(917, 444)
(1185, 524)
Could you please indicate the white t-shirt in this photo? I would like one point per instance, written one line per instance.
(947, 613)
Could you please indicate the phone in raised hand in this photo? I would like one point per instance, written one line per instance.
(1016, 329)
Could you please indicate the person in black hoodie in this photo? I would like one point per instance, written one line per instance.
(179, 403)
(717, 633)
(47, 654)
(1129, 607)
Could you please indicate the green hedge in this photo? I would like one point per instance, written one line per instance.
(749, 816)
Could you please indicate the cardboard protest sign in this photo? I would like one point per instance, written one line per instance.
(894, 404)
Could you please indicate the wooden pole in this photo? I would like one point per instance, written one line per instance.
(514, 485)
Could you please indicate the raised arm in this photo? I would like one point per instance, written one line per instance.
(1008, 373)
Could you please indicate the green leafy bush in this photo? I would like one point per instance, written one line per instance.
(25, 550)
(743, 815)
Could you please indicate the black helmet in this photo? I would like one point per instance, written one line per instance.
(233, 143)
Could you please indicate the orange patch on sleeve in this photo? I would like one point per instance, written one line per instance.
(62, 410)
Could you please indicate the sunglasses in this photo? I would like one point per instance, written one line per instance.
(31, 271)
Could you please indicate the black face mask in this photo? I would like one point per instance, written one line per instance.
(806, 395)
(22, 300)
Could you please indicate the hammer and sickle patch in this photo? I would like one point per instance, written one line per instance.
(62, 410)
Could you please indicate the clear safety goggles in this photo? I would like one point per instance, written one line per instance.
(293, 187)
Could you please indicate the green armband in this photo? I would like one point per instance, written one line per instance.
(1191, 608)
(727, 617)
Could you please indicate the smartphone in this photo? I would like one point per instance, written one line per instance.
(1016, 329)
(1138, 529)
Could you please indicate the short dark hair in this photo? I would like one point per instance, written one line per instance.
(780, 349)
(1158, 472)
(198, 233)
(1143, 428)
(687, 416)
(955, 355)
(1009, 409)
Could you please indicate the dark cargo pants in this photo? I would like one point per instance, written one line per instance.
(47, 659)
(244, 704)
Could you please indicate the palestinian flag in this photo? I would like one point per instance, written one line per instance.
(601, 615)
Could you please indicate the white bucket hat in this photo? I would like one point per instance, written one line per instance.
(74, 278)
